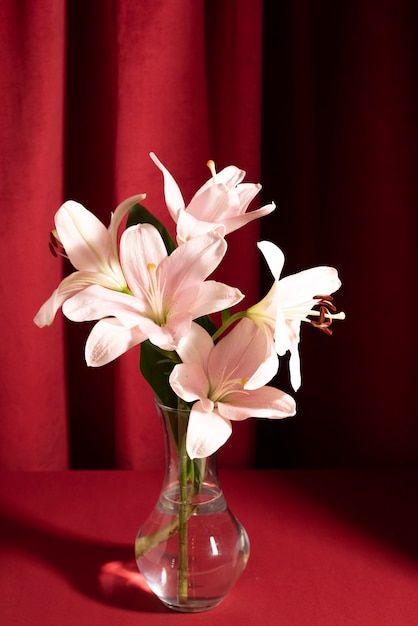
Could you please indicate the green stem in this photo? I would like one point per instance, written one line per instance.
(182, 584)
(227, 323)
(190, 477)
(145, 543)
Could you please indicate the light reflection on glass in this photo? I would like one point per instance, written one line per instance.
(213, 546)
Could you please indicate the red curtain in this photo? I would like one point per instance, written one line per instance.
(88, 90)
(316, 100)
(33, 424)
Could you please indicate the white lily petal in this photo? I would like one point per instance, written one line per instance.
(115, 221)
(294, 369)
(167, 337)
(246, 193)
(192, 262)
(214, 296)
(69, 286)
(46, 314)
(96, 302)
(267, 402)
(108, 340)
(303, 286)
(231, 176)
(274, 257)
(84, 237)
(215, 204)
(268, 367)
(206, 432)
(234, 223)
(173, 196)
(196, 346)
(189, 382)
(121, 210)
(241, 355)
(141, 247)
(189, 227)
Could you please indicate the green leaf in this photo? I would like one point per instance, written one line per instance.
(195, 472)
(156, 367)
(138, 214)
(206, 323)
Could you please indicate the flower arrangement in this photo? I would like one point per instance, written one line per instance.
(145, 288)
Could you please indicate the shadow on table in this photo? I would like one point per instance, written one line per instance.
(380, 502)
(107, 573)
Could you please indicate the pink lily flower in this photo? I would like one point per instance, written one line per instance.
(228, 381)
(301, 297)
(221, 203)
(166, 293)
(92, 249)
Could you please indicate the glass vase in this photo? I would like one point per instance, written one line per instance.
(191, 549)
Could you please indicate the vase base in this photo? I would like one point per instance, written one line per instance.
(197, 605)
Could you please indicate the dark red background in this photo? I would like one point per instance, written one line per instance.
(318, 102)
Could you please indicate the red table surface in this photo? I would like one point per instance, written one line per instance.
(327, 548)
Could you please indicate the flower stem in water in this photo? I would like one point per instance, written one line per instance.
(182, 585)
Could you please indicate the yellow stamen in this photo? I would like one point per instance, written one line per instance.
(212, 169)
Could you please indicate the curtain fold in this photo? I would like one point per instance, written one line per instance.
(33, 421)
